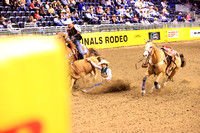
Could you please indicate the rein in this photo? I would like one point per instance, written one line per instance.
(138, 62)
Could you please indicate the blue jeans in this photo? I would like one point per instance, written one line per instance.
(79, 48)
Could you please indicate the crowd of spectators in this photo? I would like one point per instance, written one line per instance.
(56, 13)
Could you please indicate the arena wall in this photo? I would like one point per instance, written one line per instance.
(136, 37)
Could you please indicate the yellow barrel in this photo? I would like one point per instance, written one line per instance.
(34, 82)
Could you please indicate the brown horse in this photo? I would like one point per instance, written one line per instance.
(159, 64)
(80, 68)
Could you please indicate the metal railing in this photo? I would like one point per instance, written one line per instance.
(95, 28)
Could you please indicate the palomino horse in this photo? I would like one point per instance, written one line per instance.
(158, 64)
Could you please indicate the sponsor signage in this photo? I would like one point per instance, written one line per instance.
(173, 34)
(105, 40)
(195, 33)
(154, 35)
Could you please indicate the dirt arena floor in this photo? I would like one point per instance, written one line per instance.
(172, 109)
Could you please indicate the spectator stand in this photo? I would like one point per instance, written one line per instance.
(19, 17)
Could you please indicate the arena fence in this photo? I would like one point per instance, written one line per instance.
(94, 28)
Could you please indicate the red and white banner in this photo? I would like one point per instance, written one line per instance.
(173, 34)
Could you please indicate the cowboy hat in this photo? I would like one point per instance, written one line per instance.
(68, 21)
(56, 16)
(103, 62)
(63, 11)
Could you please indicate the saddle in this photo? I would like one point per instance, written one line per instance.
(171, 55)
(169, 50)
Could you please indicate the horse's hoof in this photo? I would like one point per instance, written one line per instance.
(158, 86)
(142, 93)
(84, 91)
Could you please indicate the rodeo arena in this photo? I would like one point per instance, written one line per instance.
(99, 66)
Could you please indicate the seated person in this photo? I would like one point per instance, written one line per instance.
(114, 20)
(195, 7)
(3, 22)
(165, 12)
(6, 3)
(135, 19)
(57, 21)
(127, 14)
(63, 20)
(30, 19)
(75, 15)
(42, 11)
(105, 17)
(46, 5)
(37, 15)
(94, 17)
(142, 21)
(155, 21)
(138, 4)
(164, 4)
(37, 4)
(188, 18)
(164, 19)
(36, 23)
(124, 3)
(88, 17)
(32, 6)
(131, 13)
(146, 21)
(51, 11)
(100, 10)
(118, 3)
(107, 11)
(116, 10)
(128, 22)
(180, 17)
(175, 21)
(152, 12)
(14, 6)
(121, 18)
(109, 3)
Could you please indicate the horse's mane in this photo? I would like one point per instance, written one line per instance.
(93, 52)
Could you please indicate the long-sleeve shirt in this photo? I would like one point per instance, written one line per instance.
(108, 71)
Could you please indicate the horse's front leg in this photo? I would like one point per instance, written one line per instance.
(143, 84)
(156, 85)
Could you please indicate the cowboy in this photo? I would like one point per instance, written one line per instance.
(171, 55)
(106, 74)
(74, 32)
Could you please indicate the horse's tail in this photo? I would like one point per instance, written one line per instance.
(93, 52)
(183, 62)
